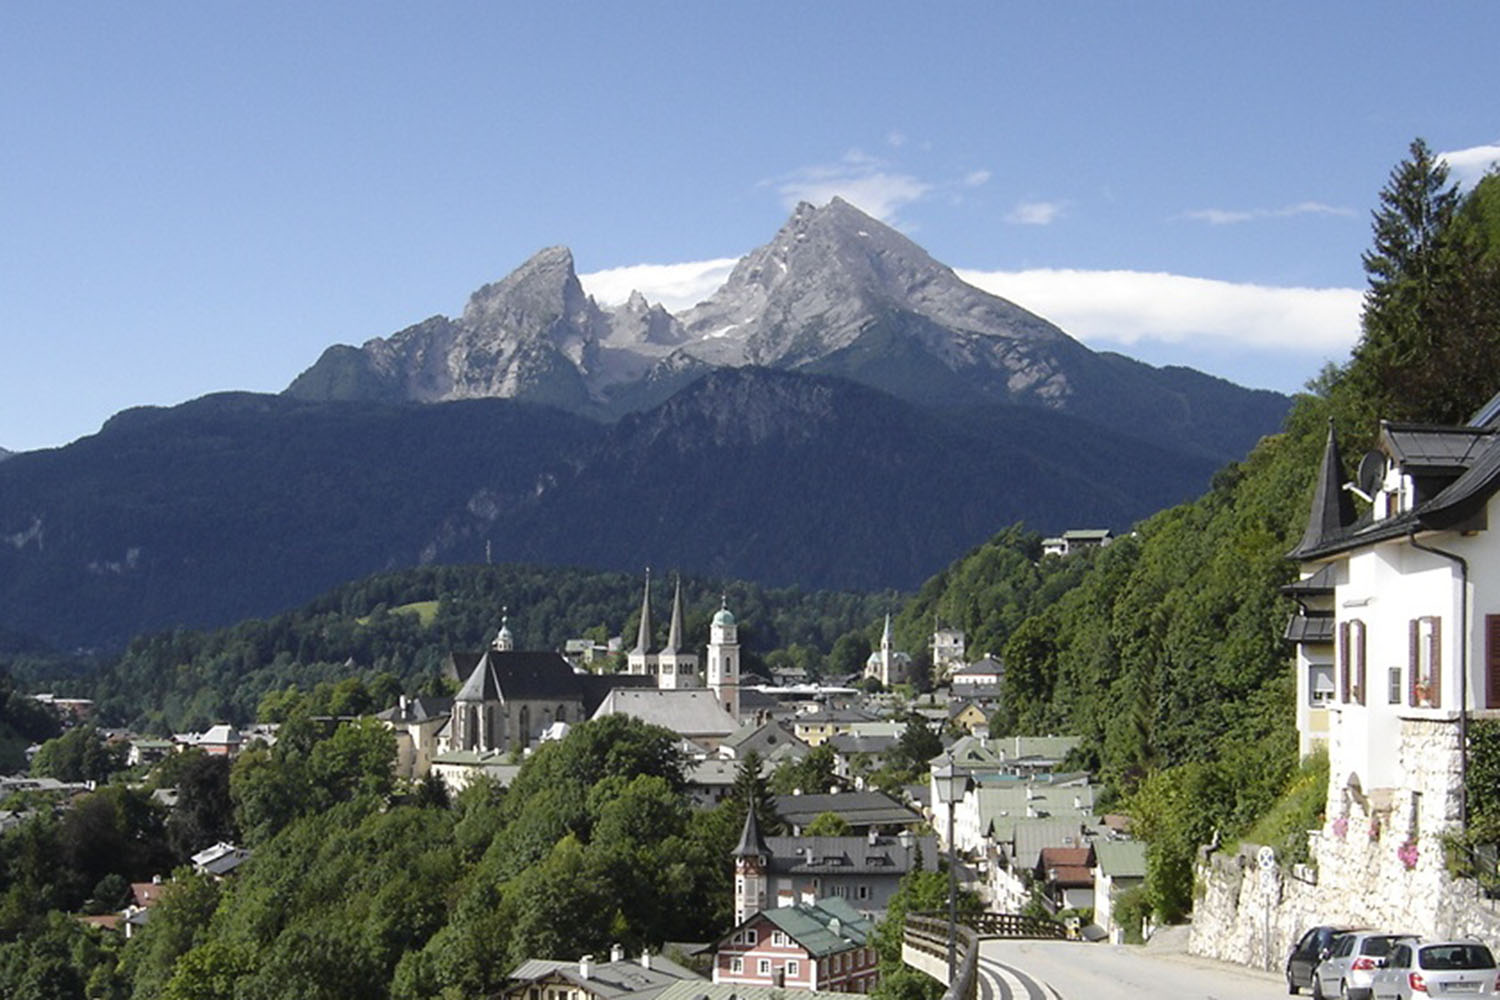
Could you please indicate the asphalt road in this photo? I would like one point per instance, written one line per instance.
(1068, 970)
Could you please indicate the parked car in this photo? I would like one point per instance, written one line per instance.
(1437, 969)
(1306, 955)
(1350, 965)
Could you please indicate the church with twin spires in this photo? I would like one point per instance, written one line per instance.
(674, 667)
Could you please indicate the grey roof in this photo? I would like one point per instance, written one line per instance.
(1320, 583)
(625, 978)
(760, 738)
(1025, 838)
(848, 743)
(1424, 449)
(827, 856)
(418, 709)
(686, 711)
(1121, 858)
(1309, 628)
(858, 809)
(987, 665)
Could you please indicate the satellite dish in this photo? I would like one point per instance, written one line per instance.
(1371, 472)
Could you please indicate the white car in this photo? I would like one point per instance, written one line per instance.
(1431, 969)
(1349, 968)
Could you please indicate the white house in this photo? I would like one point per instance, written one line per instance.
(1409, 648)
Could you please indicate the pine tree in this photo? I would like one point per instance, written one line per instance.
(1431, 343)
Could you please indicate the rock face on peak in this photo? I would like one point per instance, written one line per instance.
(836, 292)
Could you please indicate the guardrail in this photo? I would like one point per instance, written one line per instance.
(924, 944)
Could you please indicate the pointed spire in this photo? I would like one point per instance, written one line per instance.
(643, 637)
(886, 639)
(1332, 507)
(674, 634)
(751, 844)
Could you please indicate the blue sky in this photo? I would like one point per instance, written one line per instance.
(198, 197)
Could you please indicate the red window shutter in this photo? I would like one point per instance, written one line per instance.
(1492, 660)
(1413, 661)
(1344, 661)
(1435, 657)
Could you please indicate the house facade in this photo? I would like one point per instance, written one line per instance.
(816, 945)
(1406, 656)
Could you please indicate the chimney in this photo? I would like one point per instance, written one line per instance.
(874, 838)
(617, 952)
(401, 703)
(905, 838)
(836, 926)
(785, 897)
(809, 897)
(584, 966)
(646, 959)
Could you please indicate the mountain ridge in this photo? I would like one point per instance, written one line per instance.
(238, 505)
(834, 292)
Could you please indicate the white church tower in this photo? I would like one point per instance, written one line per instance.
(676, 668)
(723, 667)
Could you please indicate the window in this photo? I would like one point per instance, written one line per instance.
(864, 890)
(736, 965)
(751, 936)
(1424, 657)
(778, 939)
(1320, 690)
(739, 938)
(1394, 694)
(763, 967)
(793, 968)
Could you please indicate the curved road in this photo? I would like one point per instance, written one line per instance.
(1069, 970)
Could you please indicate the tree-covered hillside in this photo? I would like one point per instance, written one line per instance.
(405, 623)
(1164, 652)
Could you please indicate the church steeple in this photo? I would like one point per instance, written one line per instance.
(751, 859)
(674, 634)
(643, 637)
(1332, 508)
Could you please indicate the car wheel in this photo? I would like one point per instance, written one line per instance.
(1343, 990)
(1317, 987)
(1291, 987)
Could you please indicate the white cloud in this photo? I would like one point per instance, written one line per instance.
(675, 286)
(1224, 217)
(857, 179)
(895, 138)
(1129, 307)
(976, 177)
(1467, 166)
(1035, 213)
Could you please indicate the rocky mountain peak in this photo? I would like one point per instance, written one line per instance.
(546, 284)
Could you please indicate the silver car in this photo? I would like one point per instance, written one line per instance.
(1349, 968)
(1432, 969)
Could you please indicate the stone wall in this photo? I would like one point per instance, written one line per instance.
(1377, 862)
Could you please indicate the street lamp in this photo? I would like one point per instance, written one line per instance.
(951, 784)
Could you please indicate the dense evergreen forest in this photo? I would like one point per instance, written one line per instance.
(1163, 651)
(402, 625)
